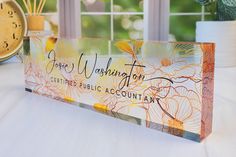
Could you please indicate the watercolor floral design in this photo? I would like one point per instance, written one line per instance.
(176, 105)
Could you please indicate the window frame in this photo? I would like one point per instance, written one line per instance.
(155, 12)
(111, 14)
(156, 19)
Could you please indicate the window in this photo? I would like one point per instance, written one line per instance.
(112, 19)
(183, 17)
(126, 19)
(116, 19)
(49, 12)
(135, 19)
(50, 6)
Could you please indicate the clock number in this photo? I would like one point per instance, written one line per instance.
(6, 45)
(1, 6)
(10, 13)
(14, 25)
(14, 36)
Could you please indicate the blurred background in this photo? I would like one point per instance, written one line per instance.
(99, 21)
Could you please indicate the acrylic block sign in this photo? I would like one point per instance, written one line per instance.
(163, 86)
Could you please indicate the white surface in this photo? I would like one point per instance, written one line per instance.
(34, 126)
(223, 33)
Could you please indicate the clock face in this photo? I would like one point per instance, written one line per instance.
(12, 28)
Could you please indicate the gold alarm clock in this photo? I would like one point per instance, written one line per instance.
(12, 28)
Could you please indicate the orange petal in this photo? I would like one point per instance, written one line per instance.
(138, 44)
(166, 62)
(50, 44)
(125, 47)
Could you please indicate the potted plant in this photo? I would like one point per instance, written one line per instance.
(221, 30)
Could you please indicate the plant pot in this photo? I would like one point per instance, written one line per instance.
(223, 34)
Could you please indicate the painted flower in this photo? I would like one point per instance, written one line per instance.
(130, 47)
(179, 110)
